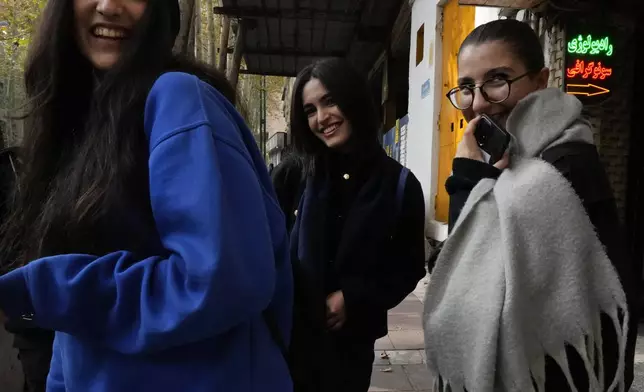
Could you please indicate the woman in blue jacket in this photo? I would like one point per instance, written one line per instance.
(146, 232)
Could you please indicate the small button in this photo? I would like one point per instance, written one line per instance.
(346, 176)
(295, 212)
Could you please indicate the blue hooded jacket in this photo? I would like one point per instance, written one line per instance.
(190, 320)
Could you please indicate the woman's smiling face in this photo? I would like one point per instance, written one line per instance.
(325, 118)
(478, 63)
(102, 27)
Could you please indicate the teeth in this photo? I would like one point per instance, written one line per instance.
(331, 129)
(109, 33)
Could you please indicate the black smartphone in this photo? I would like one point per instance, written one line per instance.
(491, 138)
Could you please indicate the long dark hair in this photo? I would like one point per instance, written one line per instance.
(519, 36)
(84, 147)
(349, 90)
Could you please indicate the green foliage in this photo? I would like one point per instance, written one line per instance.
(18, 19)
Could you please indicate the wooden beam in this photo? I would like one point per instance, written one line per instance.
(300, 13)
(522, 4)
(233, 75)
(223, 44)
(291, 52)
(401, 25)
(269, 73)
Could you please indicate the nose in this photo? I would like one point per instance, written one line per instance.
(323, 116)
(109, 7)
(479, 105)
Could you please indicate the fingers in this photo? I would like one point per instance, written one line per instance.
(471, 126)
(504, 162)
(468, 147)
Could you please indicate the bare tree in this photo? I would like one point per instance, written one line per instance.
(194, 42)
(182, 45)
(223, 43)
(233, 71)
(212, 41)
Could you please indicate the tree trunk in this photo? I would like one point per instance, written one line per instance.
(190, 49)
(223, 43)
(212, 41)
(197, 31)
(187, 18)
(233, 74)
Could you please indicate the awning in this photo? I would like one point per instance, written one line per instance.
(283, 36)
(523, 4)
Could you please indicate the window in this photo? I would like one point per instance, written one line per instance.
(420, 44)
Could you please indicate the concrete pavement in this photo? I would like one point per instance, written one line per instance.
(400, 358)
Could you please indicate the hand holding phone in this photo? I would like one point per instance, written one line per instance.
(471, 148)
(491, 138)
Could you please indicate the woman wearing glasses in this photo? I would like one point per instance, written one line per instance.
(534, 259)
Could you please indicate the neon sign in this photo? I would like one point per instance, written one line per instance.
(589, 90)
(589, 45)
(593, 70)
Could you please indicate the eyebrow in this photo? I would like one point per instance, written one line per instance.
(495, 71)
(322, 98)
(489, 74)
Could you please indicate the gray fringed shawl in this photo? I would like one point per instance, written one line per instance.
(523, 272)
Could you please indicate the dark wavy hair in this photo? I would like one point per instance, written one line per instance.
(519, 36)
(350, 92)
(84, 147)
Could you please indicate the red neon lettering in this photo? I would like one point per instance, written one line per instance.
(592, 70)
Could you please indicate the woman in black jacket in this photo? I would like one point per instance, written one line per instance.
(500, 64)
(357, 237)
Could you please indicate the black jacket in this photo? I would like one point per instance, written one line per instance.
(374, 275)
(580, 164)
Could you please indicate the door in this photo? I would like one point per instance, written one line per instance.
(458, 22)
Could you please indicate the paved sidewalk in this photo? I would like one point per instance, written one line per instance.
(400, 358)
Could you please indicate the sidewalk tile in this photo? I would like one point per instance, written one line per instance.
(405, 357)
(407, 340)
(380, 361)
(384, 343)
(418, 376)
(408, 306)
(394, 380)
(399, 322)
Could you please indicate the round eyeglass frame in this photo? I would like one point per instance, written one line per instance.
(509, 82)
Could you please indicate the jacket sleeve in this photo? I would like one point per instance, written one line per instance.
(55, 377)
(466, 174)
(217, 271)
(399, 277)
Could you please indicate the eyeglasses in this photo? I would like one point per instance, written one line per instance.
(495, 90)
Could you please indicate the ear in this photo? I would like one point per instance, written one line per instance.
(542, 78)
